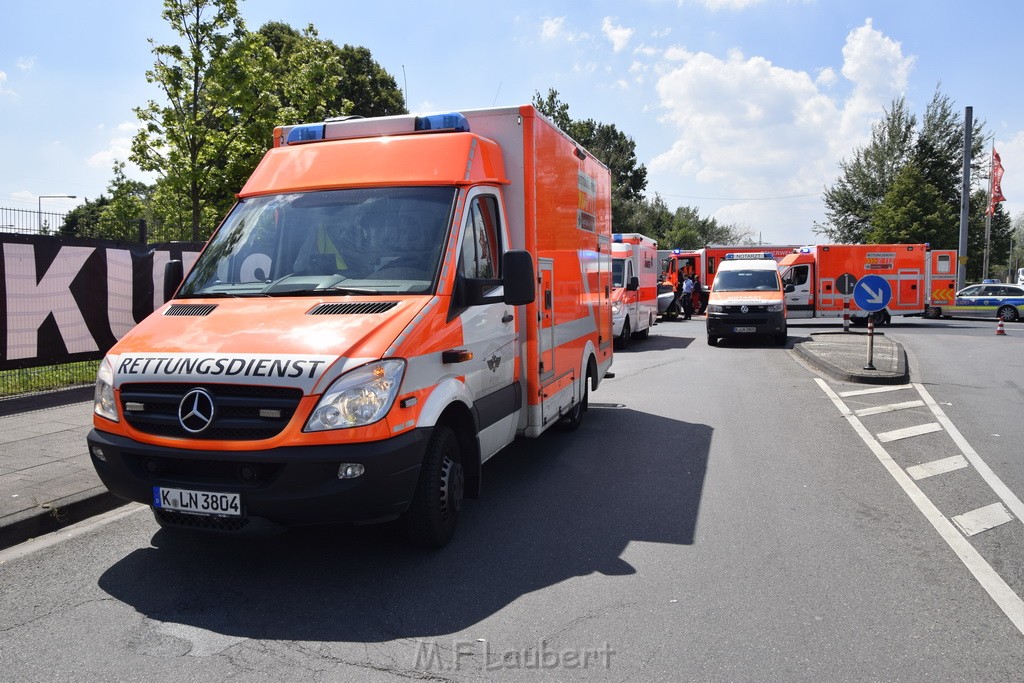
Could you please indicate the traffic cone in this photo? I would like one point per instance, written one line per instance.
(999, 326)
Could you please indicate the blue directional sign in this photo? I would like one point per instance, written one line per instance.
(872, 293)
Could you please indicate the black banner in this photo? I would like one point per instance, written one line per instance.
(68, 299)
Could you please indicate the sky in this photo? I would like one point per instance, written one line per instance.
(742, 109)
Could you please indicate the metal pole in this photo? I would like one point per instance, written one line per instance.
(988, 212)
(871, 343)
(965, 200)
(39, 207)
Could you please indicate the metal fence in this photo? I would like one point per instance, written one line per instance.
(47, 378)
(28, 222)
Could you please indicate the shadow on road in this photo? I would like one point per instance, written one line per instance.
(551, 509)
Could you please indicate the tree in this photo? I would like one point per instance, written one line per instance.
(197, 141)
(84, 219)
(867, 177)
(866, 189)
(913, 211)
(129, 204)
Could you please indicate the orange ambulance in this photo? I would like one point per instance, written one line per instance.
(391, 302)
(634, 286)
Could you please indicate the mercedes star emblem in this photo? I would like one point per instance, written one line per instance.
(195, 412)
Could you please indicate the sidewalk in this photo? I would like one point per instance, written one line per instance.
(47, 480)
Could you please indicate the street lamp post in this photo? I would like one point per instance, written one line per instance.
(39, 207)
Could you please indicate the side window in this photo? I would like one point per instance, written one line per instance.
(480, 242)
(944, 264)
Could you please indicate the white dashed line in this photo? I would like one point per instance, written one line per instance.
(982, 519)
(907, 432)
(876, 390)
(876, 410)
(930, 469)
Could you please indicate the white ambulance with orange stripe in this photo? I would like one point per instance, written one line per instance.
(635, 271)
(390, 303)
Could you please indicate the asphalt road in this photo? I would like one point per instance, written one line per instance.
(720, 516)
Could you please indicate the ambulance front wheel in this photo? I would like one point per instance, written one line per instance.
(712, 340)
(433, 514)
(623, 339)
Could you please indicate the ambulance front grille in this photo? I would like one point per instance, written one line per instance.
(750, 309)
(241, 412)
(353, 308)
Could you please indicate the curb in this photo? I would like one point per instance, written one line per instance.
(900, 376)
(29, 524)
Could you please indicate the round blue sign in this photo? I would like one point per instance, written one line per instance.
(872, 293)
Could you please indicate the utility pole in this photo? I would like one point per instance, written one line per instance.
(965, 201)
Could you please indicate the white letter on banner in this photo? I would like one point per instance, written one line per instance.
(119, 292)
(28, 303)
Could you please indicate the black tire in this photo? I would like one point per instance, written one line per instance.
(574, 418)
(433, 514)
(712, 341)
(1009, 314)
(781, 339)
(623, 339)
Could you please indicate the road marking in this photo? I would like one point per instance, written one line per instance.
(930, 469)
(907, 432)
(982, 519)
(1004, 597)
(1008, 497)
(876, 390)
(875, 410)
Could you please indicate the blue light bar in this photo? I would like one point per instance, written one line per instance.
(311, 132)
(454, 122)
(805, 250)
(617, 237)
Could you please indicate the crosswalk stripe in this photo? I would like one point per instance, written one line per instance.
(908, 432)
(982, 519)
(930, 469)
(888, 408)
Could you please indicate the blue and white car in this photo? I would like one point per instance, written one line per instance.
(987, 299)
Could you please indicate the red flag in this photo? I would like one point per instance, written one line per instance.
(997, 181)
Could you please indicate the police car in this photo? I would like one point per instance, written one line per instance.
(987, 299)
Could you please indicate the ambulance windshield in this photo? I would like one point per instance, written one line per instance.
(364, 241)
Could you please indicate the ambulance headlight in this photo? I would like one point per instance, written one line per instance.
(103, 403)
(616, 307)
(774, 308)
(360, 397)
(714, 308)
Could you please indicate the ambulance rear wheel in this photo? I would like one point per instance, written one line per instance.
(433, 515)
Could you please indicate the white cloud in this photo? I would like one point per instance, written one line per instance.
(118, 148)
(554, 29)
(26, 63)
(4, 90)
(748, 128)
(618, 35)
(715, 5)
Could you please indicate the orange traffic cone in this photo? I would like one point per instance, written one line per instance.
(999, 326)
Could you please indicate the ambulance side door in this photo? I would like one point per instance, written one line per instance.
(488, 329)
(798, 302)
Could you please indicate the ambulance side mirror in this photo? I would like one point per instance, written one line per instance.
(633, 284)
(518, 277)
(173, 274)
(790, 288)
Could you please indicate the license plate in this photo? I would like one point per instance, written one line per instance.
(203, 502)
(747, 330)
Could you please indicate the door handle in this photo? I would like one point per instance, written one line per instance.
(507, 318)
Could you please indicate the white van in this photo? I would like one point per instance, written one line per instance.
(747, 299)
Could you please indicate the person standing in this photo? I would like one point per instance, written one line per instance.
(698, 298)
(687, 297)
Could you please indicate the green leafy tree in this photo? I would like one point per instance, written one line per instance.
(913, 211)
(130, 202)
(201, 138)
(84, 219)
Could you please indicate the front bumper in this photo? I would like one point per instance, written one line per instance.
(281, 487)
(745, 324)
